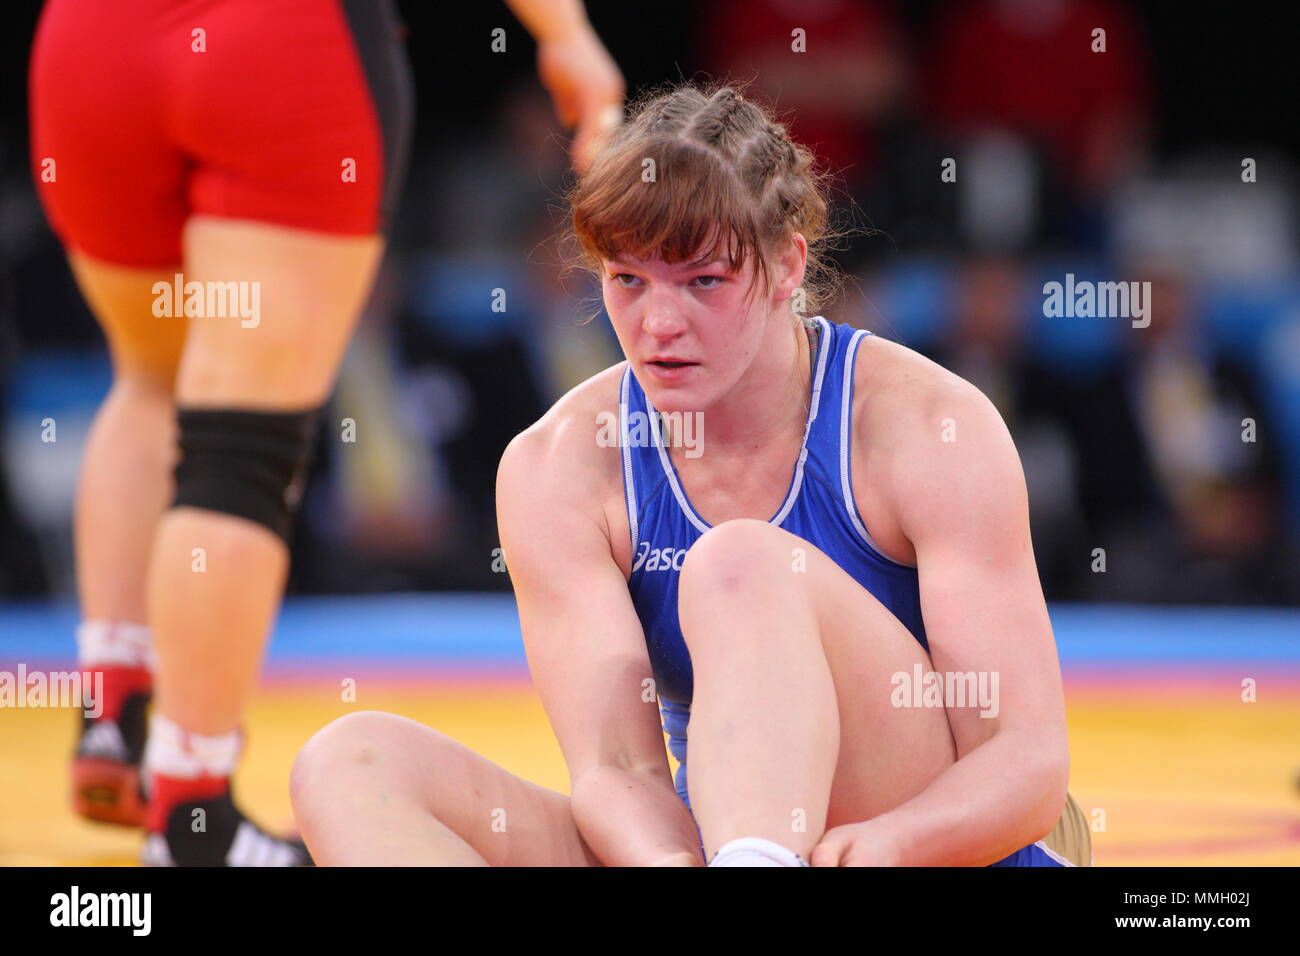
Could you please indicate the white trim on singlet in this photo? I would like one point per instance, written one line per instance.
(629, 486)
(824, 348)
(846, 395)
(671, 472)
(1053, 854)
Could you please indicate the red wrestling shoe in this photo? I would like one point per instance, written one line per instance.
(106, 776)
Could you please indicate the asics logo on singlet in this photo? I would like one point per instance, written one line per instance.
(658, 559)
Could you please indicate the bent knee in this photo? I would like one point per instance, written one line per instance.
(741, 555)
(342, 748)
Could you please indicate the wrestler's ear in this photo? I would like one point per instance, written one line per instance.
(791, 264)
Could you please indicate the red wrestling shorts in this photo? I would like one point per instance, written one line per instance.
(144, 112)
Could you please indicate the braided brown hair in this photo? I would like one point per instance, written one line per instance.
(699, 165)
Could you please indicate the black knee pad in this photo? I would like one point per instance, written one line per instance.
(245, 463)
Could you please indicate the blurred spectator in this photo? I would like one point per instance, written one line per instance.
(473, 372)
(1161, 454)
(1076, 435)
(1028, 66)
(848, 77)
(985, 344)
(1027, 69)
(1203, 423)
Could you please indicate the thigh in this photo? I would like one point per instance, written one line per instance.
(300, 295)
(145, 348)
(361, 765)
(887, 754)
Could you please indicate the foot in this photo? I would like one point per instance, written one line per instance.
(214, 832)
(106, 782)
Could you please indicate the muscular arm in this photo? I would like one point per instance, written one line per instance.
(964, 507)
(586, 652)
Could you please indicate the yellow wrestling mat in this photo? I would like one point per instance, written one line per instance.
(1183, 777)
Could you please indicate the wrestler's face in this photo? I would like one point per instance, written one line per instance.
(692, 331)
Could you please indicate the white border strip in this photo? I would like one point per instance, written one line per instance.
(846, 394)
(671, 473)
(629, 495)
(1053, 854)
(825, 346)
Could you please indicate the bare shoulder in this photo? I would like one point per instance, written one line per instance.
(568, 461)
(929, 443)
(904, 395)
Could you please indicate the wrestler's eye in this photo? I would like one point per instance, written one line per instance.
(622, 275)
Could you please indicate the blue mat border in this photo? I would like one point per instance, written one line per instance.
(468, 629)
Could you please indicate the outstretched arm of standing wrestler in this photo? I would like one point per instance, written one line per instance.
(584, 82)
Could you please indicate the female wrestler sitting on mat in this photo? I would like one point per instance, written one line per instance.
(805, 579)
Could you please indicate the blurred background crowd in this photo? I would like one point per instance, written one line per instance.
(1173, 448)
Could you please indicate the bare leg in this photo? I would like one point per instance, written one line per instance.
(791, 730)
(125, 484)
(210, 627)
(374, 789)
(126, 480)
